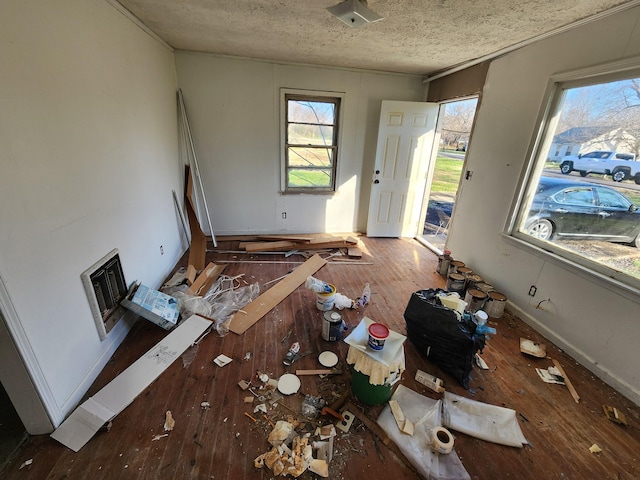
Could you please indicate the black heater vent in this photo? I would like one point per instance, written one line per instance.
(106, 287)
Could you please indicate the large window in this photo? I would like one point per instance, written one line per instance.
(583, 205)
(310, 143)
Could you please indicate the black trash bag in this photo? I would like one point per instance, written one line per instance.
(438, 334)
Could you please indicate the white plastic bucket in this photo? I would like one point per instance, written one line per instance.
(325, 301)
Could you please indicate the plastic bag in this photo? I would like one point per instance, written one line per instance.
(447, 339)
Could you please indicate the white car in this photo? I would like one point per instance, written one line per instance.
(619, 165)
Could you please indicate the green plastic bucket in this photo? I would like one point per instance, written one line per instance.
(367, 393)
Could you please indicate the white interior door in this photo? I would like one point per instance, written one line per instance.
(405, 144)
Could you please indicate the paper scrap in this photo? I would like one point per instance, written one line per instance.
(550, 375)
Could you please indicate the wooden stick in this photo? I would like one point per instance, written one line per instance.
(254, 420)
(314, 372)
(572, 390)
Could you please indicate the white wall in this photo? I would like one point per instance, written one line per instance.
(89, 159)
(234, 110)
(597, 325)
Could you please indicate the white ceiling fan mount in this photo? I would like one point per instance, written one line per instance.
(354, 13)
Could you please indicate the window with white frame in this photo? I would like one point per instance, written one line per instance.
(310, 131)
(584, 207)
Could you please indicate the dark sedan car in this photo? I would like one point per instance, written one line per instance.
(574, 210)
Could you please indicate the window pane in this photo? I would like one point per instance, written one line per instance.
(302, 111)
(582, 199)
(310, 157)
(309, 178)
(304, 134)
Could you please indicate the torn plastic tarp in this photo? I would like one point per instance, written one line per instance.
(425, 414)
(220, 303)
(482, 420)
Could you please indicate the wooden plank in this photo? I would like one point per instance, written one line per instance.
(269, 246)
(292, 238)
(198, 247)
(204, 281)
(257, 309)
(572, 390)
(326, 371)
(354, 252)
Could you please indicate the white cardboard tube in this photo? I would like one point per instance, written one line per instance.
(442, 440)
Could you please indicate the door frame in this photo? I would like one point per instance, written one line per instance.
(21, 375)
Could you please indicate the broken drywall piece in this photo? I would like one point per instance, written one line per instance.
(404, 425)
(91, 415)
(550, 375)
(532, 348)
(319, 467)
(169, 422)
(222, 360)
(481, 363)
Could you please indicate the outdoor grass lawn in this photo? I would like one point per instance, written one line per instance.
(446, 175)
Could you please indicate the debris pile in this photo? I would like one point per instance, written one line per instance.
(292, 453)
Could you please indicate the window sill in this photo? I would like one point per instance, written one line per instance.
(615, 286)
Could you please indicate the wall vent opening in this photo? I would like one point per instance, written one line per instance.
(105, 286)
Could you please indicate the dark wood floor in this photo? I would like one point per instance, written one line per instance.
(222, 443)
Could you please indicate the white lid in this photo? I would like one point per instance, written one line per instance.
(328, 359)
(288, 384)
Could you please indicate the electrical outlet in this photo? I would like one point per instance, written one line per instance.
(161, 250)
(284, 215)
(345, 424)
(532, 291)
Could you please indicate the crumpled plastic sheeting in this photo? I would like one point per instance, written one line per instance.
(482, 420)
(221, 302)
(425, 414)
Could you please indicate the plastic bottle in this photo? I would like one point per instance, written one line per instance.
(366, 296)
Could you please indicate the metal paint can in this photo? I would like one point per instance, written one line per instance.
(453, 266)
(484, 286)
(494, 306)
(473, 280)
(455, 283)
(443, 262)
(475, 299)
(332, 326)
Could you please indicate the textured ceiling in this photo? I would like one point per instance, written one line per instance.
(416, 36)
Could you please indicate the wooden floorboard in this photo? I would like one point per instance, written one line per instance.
(221, 442)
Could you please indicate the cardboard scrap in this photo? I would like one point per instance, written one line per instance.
(152, 305)
(257, 309)
(91, 415)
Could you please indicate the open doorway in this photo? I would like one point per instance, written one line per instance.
(455, 122)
